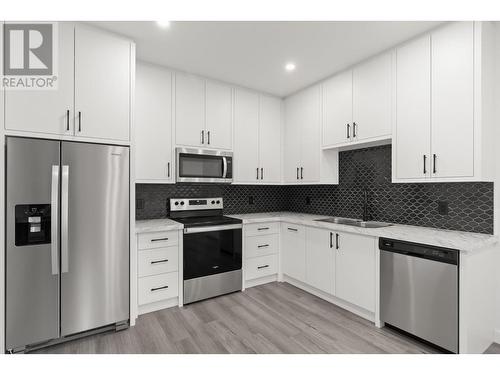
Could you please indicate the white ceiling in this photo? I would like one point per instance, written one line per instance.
(253, 54)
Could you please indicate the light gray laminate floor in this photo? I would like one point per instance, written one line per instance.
(271, 318)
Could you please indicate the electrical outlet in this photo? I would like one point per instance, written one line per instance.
(139, 204)
(250, 199)
(443, 207)
(308, 201)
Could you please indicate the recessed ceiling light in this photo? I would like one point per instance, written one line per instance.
(290, 67)
(163, 24)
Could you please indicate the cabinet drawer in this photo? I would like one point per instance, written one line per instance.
(261, 229)
(261, 245)
(158, 239)
(157, 261)
(261, 266)
(158, 287)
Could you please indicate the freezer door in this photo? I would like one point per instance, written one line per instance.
(94, 236)
(32, 265)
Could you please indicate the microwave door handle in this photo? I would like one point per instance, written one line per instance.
(224, 170)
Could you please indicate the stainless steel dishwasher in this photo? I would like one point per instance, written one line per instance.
(419, 291)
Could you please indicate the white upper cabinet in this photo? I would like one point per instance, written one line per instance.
(293, 141)
(372, 99)
(413, 110)
(218, 123)
(452, 108)
(153, 125)
(50, 111)
(320, 259)
(337, 109)
(102, 84)
(203, 113)
(246, 136)
(189, 110)
(270, 139)
(310, 137)
(444, 105)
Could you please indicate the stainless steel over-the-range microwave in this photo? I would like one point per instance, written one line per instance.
(199, 165)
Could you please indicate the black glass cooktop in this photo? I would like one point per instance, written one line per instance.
(206, 221)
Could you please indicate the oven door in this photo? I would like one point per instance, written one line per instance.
(197, 165)
(212, 250)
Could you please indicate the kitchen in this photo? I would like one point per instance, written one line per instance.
(349, 208)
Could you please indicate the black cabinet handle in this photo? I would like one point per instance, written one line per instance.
(159, 239)
(331, 240)
(159, 288)
(79, 121)
(354, 130)
(208, 137)
(297, 173)
(425, 164)
(202, 136)
(168, 169)
(293, 229)
(301, 173)
(336, 241)
(261, 246)
(434, 157)
(159, 261)
(261, 173)
(257, 173)
(67, 120)
(261, 267)
(263, 228)
(348, 130)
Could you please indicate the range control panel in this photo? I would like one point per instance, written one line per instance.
(183, 204)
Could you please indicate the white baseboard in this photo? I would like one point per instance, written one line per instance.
(496, 337)
(260, 281)
(160, 305)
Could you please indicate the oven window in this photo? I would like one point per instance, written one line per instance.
(200, 166)
(210, 253)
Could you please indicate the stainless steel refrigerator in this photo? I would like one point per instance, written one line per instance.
(67, 239)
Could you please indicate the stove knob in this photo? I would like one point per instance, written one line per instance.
(218, 202)
(182, 203)
(213, 202)
(176, 203)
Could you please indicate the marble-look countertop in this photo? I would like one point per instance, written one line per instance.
(463, 241)
(156, 225)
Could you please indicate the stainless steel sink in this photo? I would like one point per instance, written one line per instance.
(355, 222)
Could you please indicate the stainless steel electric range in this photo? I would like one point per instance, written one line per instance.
(212, 248)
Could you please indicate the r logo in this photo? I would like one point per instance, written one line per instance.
(28, 49)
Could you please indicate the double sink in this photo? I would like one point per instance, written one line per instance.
(355, 222)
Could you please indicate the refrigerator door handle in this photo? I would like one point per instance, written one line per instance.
(54, 213)
(64, 219)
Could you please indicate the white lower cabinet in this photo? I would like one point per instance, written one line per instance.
(261, 251)
(355, 270)
(293, 251)
(157, 270)
(261, 266)
(320, 260)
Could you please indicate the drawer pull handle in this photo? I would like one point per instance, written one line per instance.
(159, 288)
(293, 229)
(261, 267)
(266, 245)
(159, 239)
(159, 261)
(263, 228)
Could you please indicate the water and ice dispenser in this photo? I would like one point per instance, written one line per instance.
(32, 224)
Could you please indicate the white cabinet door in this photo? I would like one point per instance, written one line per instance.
(293, 251)
(102, 84)
(292, 144)
(413, 110)
(452, 100)
(190, 111)
(372, 98)
(47, 111)
(246, 136)
(153, 124)
(337, 109)
(310, 135)
(320, 266)
(218, 121)
(355, 270)
(270, 139)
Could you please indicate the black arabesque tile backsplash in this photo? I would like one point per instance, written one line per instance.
(470, 203)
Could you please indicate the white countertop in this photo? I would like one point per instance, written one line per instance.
(156, 225)
(463, 241)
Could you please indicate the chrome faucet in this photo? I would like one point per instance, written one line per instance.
(366, 216)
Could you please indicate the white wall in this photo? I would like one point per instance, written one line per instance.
(497, 166)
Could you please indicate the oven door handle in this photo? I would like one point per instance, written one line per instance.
(214, 228)
(224, 169)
